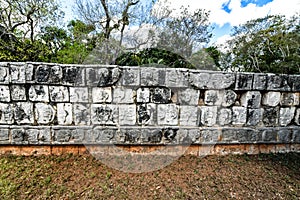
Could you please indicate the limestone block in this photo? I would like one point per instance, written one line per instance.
(290, 99)
(153, 76)
(102, 95)
(64, 113)
(82, 115)
(143, 95)
(229, 98)
(188, 136)
(42, 74)
(167, 114)
(6, 114)
(73, 76)
(213, 98)
(297, 117)
(123, 95)
(44, 136)
(127, 114)
(296, 136)
(239, 115)
(210, 136)
(217, 81)
(251, 99)
(169, 135)
(240, 135)
(59, 94)
(208, 115)
(224, 116)
(152, 136)
(189, 116)
(104, 136)
(23, 113)
(29, 72)
(104, 114)
(160, 95)
(146, 114)
(271, 99)
(270, 116)
(244, 81)
(44, 113)
(4, 75)
(4, 136)
(102, 77)
(268, 135)
(188, 97)
(4, 93)
(284, 135)
(255, 116)
(131, 76)
(17, 73)
(294, 81)
(260, 81)
(18, 93)
(62, 135)
(39, 93)
(131, 136)
(79, 94)
(176, 78)
(278, 82)
(56, 74)
(19, 136)
(286, 116)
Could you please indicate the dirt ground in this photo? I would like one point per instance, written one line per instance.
(273, 176)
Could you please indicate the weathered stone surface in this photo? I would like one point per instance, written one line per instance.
(160, 95)
(29, 73)
(124, 95)
(217, 81)
(17, 73)
(42, 74)
(278, 82)
(260, 81)
(73, 76)
(296, 136)
(284, 135)
(39, 93)
(239, 115)
(127, 114)
(104, 114)
(167, 114)
(23, 113)
(188, 136)
(4, 75)
(104, 136)
(44, 113)
(6, 114)
(297, 117)
(4, 136)
(290, 99)
(146, 114)
(241, 135)
(210, 136)
(153, 76)
(229, 98)
(224, 116)
(251, 99)
(59, 94)
(208, 115)
(189, 116)
(213, 98)
(64, 113)
(270, 116)
(286, 116)
(294, 82)
(129, 136)
(82, 115)
(152, 136)
(38, 136)
(62, 136)
(268, 135)
(18, 93)
(255, 116)
(188, 97)
(4, 93)
(176, 78)
(143, 95)
(102, 95)
(19, 136)
(79, 94)
(131, 76)
(169, 135)
(102, 77)
(271, 99)
(244, 81)
(57, 74)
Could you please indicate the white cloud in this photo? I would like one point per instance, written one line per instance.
(238, 13)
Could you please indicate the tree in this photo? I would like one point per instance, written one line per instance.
(269, 44)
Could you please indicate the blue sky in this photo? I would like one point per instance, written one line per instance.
(226, 13)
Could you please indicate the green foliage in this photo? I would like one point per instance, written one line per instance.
(153, 56)
(270, 44)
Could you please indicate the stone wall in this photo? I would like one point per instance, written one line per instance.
(44, 104)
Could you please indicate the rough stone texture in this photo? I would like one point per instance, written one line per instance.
(271, 99)
(53, 104)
